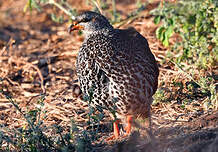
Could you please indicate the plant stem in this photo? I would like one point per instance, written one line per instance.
(52, 2)
(187, 74)
(98, 5)
(114, 10)
(17, 107)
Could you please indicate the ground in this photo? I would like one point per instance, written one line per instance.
(37, 56)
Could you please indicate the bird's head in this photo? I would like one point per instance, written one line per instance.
(90, 22)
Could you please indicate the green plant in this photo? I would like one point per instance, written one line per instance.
(195, 22)
(158, 96)
(30, 137)
(34, 136)
(62, 5)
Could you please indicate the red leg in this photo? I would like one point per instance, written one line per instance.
(116, 131)
(128, 128)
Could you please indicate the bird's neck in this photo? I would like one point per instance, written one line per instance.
(89, 34)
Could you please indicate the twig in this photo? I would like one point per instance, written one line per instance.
(97, 4)
(130, 19)
(13, 83)
(168, 70)
(4, 101)
(18, 108)
(52, 2)
(8, 45)
(125, 21)
(34, 67)
(187, 74)
(2, 51)
(114, 9)
(40, 76)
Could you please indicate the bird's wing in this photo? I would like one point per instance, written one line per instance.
(128, 55)
(127, 49)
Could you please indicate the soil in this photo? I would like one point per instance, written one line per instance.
(37, 58)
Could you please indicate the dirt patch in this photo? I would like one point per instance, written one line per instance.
(37, 57)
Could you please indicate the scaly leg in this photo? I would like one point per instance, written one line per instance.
(128, 128)
(116, 131)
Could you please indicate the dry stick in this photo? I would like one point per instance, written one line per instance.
(2, 51)
(187, 74)
(52, 2)
(168, 70)
(14, 83)
(34, 67)
(126, 21)
(129, 19)
(114, 9)
(97, 4)
(40, 76)
(8, 45)
(18, 108)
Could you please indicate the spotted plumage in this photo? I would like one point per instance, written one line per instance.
(117, 65)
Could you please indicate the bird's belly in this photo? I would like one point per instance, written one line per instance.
(133, 95)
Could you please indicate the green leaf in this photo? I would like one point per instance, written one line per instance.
(160, 33)
(169, 32)
(44, 1)
(171, 21)
(56, 19)
(157, 19)
(191, 19)
(35, 5)
(165, 40)
(28, 5)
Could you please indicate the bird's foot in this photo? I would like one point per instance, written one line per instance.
(127, 131)
(129, 126)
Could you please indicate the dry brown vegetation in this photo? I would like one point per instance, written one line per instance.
(37, 56)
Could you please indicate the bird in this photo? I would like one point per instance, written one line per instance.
(118, 66)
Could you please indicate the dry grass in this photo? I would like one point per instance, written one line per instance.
(37, 56)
